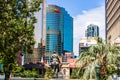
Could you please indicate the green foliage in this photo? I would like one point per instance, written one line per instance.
(49, 74)
(16, 31)
(30, 74)
(75, 75)
(111, 69)
(18, 69)
(26, 73)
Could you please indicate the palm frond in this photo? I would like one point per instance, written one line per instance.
(90, 70)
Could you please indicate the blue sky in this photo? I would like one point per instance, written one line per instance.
(75, 7)
(84, 12)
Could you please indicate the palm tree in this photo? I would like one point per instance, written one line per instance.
(102, 55)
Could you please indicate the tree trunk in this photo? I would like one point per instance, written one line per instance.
(7, 76)
(103, 72)
(103, 69)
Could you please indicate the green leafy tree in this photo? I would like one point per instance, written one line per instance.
(104, 55)
(16, 31)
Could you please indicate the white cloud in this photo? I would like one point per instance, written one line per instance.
(94, 16)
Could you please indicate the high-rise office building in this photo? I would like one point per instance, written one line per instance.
(112, 20)
(92, 31)
(59, 30)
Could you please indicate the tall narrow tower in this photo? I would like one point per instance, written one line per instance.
(92, 31)
(44, 23)
(43, 30)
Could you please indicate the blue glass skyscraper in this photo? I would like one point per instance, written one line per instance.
(67, 31)
(59, 30)
(92, 31)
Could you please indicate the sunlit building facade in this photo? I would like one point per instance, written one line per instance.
(86, 42)
(112, 21)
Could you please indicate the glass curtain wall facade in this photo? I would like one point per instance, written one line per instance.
(59, 30)
(67, 31)
(92, 30)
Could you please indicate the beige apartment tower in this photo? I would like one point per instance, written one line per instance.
(112, 20)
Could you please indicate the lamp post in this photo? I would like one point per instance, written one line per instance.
(97, 68)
